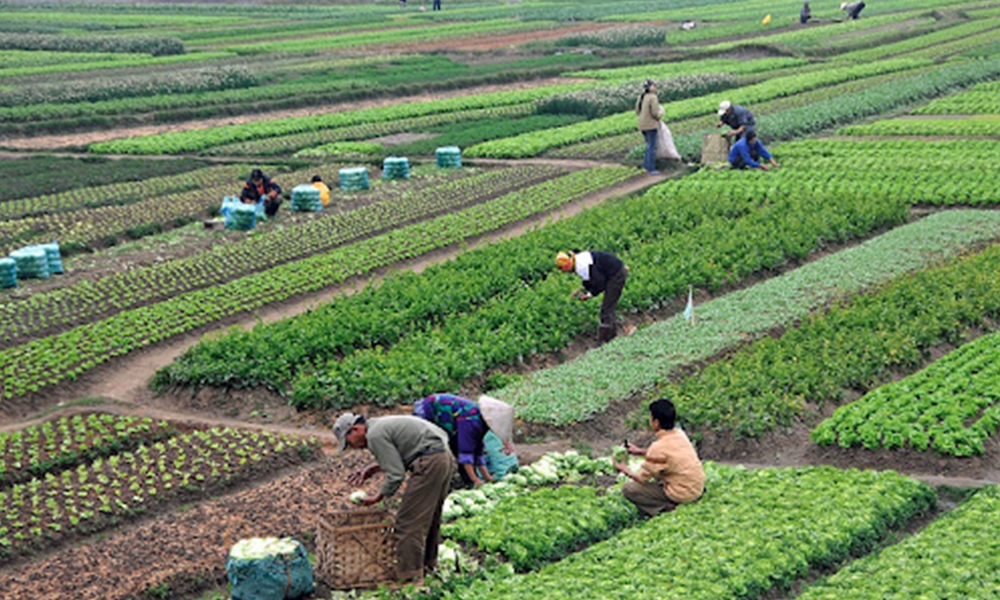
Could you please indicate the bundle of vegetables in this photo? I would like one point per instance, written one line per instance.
(448, 157)
(353, 179)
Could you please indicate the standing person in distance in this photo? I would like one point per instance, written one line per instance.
(402, 443)
(671, 473)
(649, 111)
(805, 14)
(739, 119)
(602, 273)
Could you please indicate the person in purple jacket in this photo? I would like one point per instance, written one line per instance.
(466, 427)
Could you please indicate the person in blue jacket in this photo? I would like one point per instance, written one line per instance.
(747, 153)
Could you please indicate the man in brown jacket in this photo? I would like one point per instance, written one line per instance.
(671, 474)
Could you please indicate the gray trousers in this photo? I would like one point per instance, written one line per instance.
(418, 521)
(649, 497)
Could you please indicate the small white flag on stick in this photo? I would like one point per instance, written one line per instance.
(689, 311)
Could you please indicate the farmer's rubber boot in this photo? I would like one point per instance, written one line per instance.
(606, 333)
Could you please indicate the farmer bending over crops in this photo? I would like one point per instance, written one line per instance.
(747, 152)
(671, 473)
(853, 9)
(739, 119)
(404, 443)
(466, 424)
(259, 187)
(602, 272)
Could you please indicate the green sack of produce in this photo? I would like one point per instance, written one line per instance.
(269, 569)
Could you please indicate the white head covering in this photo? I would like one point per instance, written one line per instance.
(499, 416)
(724, 106)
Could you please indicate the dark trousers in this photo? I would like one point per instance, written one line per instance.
(271, 206)
(609, 323)
(437, 5)
(418, 520)
(649, 158)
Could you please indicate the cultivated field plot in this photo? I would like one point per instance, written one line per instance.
(826, 329)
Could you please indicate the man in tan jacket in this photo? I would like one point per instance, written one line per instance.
(671, 473)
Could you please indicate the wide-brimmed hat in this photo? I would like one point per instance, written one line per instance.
(343, 426)
(499, 416)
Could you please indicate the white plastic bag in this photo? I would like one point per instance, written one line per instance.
(665, 143)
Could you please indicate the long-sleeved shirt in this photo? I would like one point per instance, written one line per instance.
(742, 154)
(740, 116)
(397, 441)
(462, 421)
(252, 192)
(596, 268)
(648, 109)
(672, 461)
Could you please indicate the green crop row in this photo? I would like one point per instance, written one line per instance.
(929, 40)
(126, 192)
(45, 512)
(532, 144)
(68, 441)
(982, 99)
(544, 525)
(193, 141)
(757, 531)
(286, 144)
(951, 406)
(985, 125)
(732, 231)
(393, 205)
(47, 361)
(576, 390)
(956, 556)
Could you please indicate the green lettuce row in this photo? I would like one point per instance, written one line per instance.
(589, 384)
(194, 141)
(855, 345)
(121, 193)
(273, 354)
(43, 513)
(948, 34)
(30, 367)
(979, 100)
(46, 313)
(956, 556)
(951, 406)
(544, 525)
(533, 144)
(789, 225)
(71, 440)
(757, 531)
(297, 141)
(986, 126)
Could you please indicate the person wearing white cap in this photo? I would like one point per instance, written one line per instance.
(402, 443)
(739, 119)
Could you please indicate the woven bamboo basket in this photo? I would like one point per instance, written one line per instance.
(356, 548)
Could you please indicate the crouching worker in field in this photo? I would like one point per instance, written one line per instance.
(671, 474)
(466, 427)
(402, 443)
(748, 152)
(261, 187)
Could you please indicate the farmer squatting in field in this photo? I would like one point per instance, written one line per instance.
(747, 152)
(260, 186)
(402, 443)
(671, 473)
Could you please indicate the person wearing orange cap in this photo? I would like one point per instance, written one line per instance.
(602, 273)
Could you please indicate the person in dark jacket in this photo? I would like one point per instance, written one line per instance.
(602, 273)
(805, 14)
(739, 119)
(260, 185)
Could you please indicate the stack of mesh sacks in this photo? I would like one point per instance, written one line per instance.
(396, 167)
(54, 258)
(449, 157)
(305, 197)
(8, 273)
(32, 262)
(244, 217)
(354, 179)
